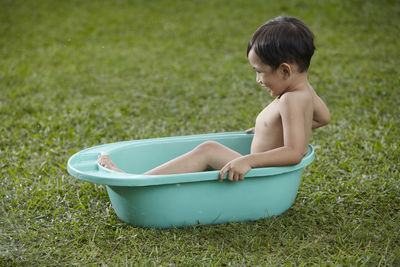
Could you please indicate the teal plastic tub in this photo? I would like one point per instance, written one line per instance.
(178, 200)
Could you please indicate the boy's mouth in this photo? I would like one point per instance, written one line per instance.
(266, 87)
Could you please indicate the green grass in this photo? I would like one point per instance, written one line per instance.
(74, 74)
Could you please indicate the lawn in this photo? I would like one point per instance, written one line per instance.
(75, 74)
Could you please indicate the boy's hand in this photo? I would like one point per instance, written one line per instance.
(236, 170)
(249, 131)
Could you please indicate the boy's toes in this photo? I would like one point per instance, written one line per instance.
(103, 159)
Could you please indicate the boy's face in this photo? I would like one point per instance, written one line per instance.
(267, 76)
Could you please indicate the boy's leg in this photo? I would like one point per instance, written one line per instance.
(208, 154)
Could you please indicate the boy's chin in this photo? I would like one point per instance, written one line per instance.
(271, 92)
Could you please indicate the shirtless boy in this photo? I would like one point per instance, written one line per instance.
(280, 52)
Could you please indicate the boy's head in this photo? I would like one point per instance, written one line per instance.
(283, 39)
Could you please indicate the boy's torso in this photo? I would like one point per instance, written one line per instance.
(269, 130)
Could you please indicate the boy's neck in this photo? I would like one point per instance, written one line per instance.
(298, 81)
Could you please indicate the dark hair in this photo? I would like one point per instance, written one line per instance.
(283, 39)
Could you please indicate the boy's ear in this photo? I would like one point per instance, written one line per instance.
(285, 70)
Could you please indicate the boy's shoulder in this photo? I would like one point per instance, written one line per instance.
(295, 98)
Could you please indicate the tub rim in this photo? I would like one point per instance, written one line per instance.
(101, 175)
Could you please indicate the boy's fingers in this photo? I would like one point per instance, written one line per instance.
(250, 130)
(222, 174)
(224, 170)
(231, 175)
(236, 177)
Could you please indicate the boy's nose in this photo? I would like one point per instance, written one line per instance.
(258, 79)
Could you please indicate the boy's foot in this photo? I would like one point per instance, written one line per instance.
(106, 162)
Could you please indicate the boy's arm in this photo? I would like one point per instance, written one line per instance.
(292, 110)
(292, 115)
(321, 115)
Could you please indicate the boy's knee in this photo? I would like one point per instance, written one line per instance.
(208, 146)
